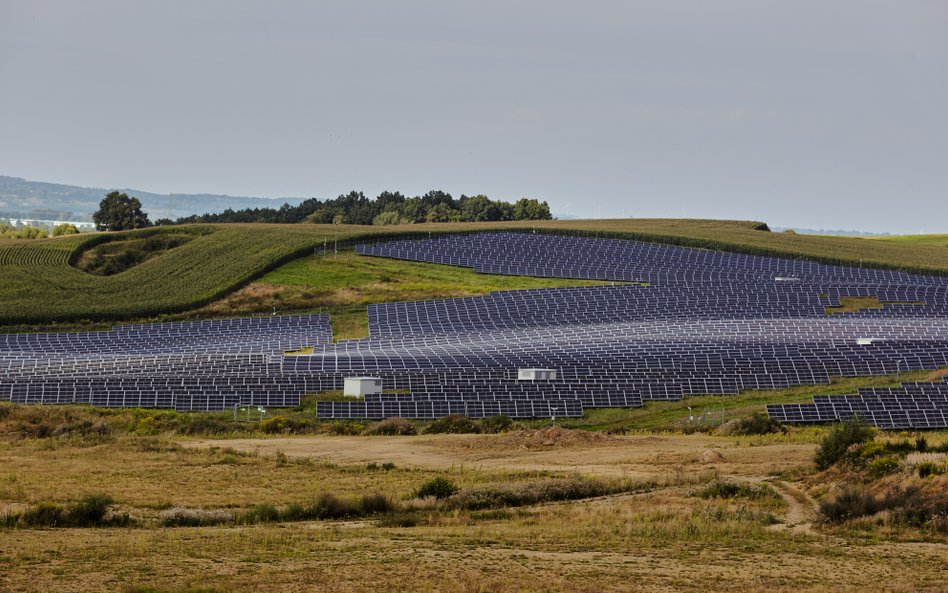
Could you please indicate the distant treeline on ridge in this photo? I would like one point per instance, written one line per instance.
(387, 208)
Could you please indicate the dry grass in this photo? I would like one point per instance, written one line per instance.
(662, 540)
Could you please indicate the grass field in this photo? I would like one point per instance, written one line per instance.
(664, 535)
(40, 284)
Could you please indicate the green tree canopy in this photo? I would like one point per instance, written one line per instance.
(118, 212)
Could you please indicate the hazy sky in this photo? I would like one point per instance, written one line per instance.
(829, 114)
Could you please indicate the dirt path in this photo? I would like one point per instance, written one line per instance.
(801, 509)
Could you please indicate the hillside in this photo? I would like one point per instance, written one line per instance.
(41, 286)
(20, 198)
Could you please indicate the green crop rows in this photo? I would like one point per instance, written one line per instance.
(38, 284)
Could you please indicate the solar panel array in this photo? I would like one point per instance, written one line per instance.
(202, 365)
(707, 322)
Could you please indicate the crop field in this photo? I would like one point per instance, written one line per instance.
(40, 284)
(934, 240)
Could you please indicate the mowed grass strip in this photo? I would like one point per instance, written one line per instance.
(704, 412)
(344, 284)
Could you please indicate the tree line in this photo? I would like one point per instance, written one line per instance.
(387, 208)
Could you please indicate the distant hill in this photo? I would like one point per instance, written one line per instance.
(20, 198)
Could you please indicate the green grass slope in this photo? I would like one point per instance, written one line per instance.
(343, 284)
(38, 283)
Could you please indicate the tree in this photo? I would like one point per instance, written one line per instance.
(531, 209)
(386, 218)
(65, 229)
(118, 212)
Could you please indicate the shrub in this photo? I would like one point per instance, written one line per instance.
(45, 514)
(496, 424)
(916, 504)
(835, 445)
(929, 468)
(883, 466)
(329, 506)
(261, 513)
(202, 424)
(282, 425)
(439, 488)
(344, 428)
(453, 424)
(757, 423)
(721, 489)
(526, 493)
(849, 503)
(295, 512)
(90, 510)
(373, 504)
(391, 426)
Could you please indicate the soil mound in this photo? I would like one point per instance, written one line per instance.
(553, 436)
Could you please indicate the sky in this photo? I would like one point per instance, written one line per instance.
(817, 114)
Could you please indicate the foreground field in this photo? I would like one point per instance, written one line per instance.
(40, 282)
(663, 537)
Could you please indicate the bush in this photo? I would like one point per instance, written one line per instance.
(836, 444)
(373, 504)
(202, 424)
(344, 428)
(391, 426)
(929, 468)
(726, 490)
(439, 488)
(283, 425)
(261, 513)
(90, 510)
(883, 466)
(45, 514)
(453, 424)
(329, 506)
(757, 423)
(496, 424)
(916, 504)
(849, 503)
(526, 493)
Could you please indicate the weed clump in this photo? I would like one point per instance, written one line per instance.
(185, 517)
(755, 424)
(453, 424)
(391, 427)
(496, 424)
